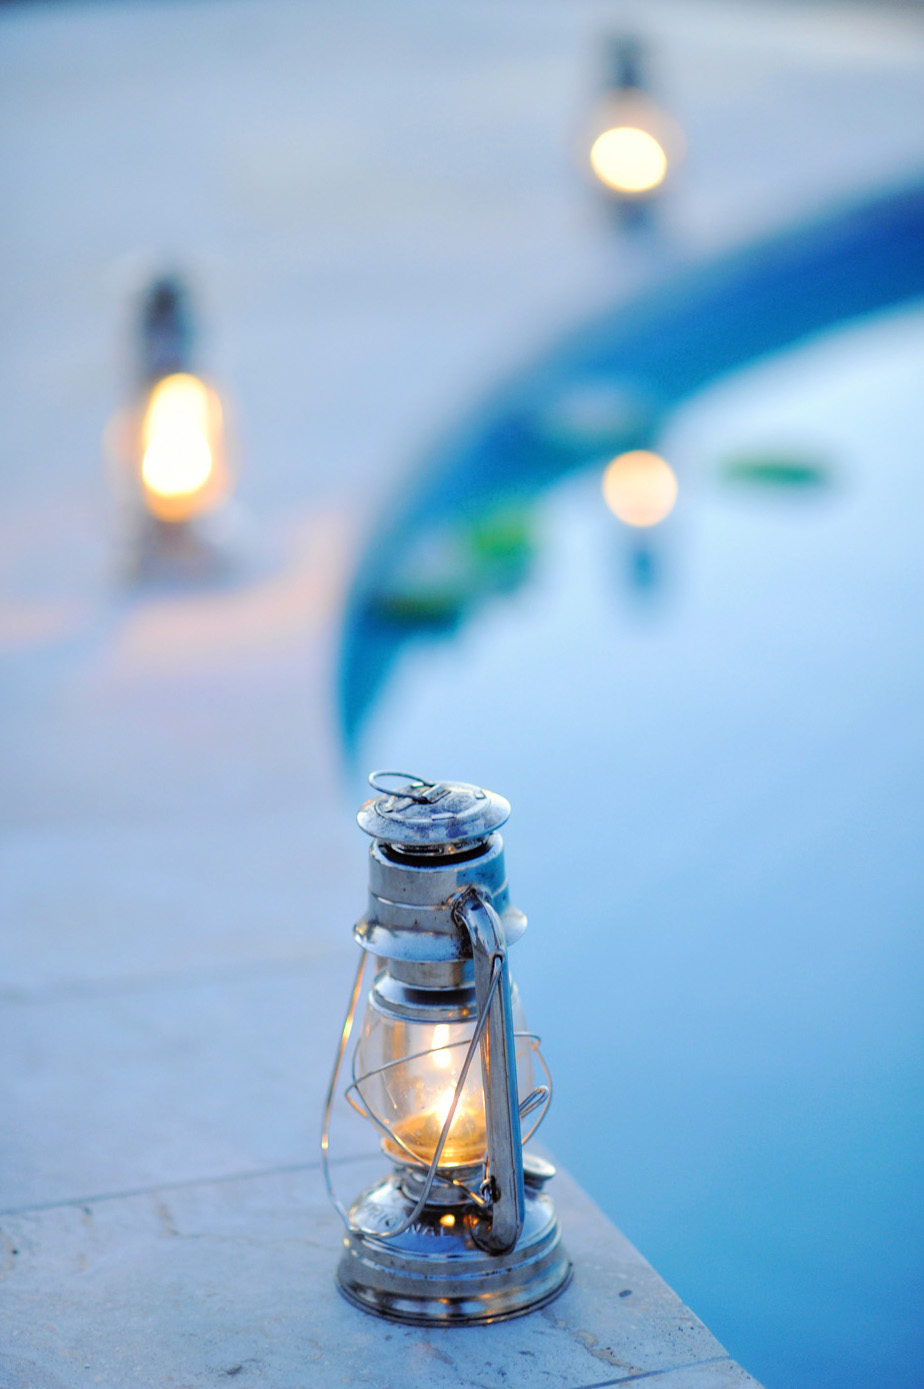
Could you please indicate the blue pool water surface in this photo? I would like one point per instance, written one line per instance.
(712, 740)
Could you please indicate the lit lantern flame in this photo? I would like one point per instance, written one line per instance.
(410, 1072)
(640, 488)
(468, 1136)
(181, 437)
(628, 159)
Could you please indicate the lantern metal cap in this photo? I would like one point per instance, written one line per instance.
(427, 814)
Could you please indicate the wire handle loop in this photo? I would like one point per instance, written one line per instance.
(338, 1205)
(407, 779)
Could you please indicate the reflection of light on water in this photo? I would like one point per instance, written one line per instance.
(628, 159)
(179, 425)
(640, 488)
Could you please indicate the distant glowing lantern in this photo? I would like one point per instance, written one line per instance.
(167, 451)
(640, 488)
(461, 1230)
(633, 144)
(182, 455)
(628, 160)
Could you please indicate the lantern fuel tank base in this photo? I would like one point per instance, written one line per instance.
(435, 1273)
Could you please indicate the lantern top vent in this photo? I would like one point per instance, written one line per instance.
(428, 814)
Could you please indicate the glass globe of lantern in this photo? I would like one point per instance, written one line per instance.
(407, 1073)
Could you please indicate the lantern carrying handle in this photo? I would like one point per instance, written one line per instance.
(331, 1090)
(500, 1227)
(409, 782)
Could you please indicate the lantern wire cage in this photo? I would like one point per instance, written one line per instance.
(539, 1099)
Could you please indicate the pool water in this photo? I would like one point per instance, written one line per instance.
(711, 735)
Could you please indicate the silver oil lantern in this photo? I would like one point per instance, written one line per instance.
(461, 1230)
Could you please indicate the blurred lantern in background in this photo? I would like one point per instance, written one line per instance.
(168, 451)
(182, 465)
(632, 144)
(640, 489)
